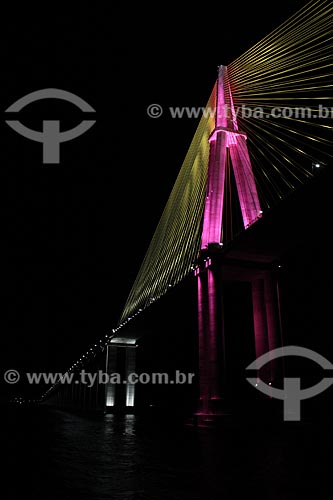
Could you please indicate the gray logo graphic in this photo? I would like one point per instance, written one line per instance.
(291, 394)
(51, 137)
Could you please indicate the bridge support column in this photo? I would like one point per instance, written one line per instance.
(273, 324)
(120, 361)
(260, 326)
(111, 367)
(267, 330)
(130, 369)
(211, 347)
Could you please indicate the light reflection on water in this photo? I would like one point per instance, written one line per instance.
(59, 456)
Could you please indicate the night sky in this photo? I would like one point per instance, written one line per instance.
(74, 234)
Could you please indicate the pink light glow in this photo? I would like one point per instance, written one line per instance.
(232, 109)
(266, 323)
(273, 321)
(246, 187)
(208, 342)
(226, 135)
(259, 318)
(203, 369)
(212, 226)
(213, 337)
(221, 102)
(210, 307)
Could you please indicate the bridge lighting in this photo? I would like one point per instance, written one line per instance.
(317, 164)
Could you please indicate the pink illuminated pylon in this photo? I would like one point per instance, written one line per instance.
(227, 135)
(212, 375)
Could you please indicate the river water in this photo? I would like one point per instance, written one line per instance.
(55, 455)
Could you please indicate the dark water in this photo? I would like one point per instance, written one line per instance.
(53, 455)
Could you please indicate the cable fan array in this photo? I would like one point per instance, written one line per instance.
(282, 92)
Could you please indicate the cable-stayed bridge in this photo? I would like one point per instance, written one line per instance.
(266, 132)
